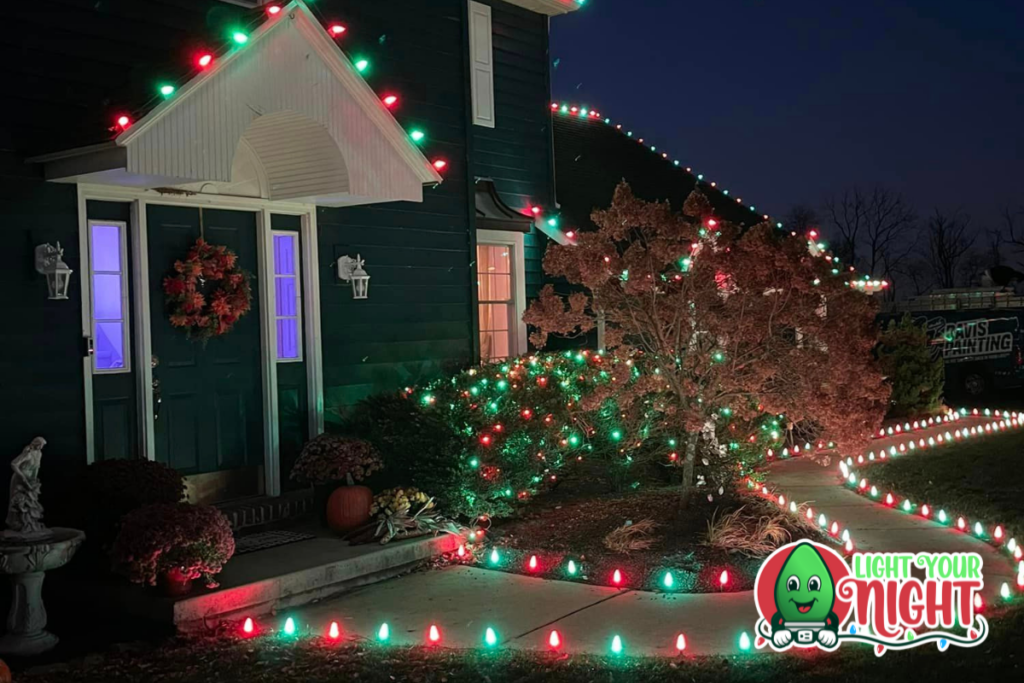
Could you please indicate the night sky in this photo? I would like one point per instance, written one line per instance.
(790, 101)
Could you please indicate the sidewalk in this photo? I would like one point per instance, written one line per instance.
(464, 601)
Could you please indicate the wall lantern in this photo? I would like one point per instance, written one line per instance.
(351, 269)
(50, 262)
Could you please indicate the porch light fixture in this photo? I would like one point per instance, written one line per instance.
(50, 262)
(351, 270)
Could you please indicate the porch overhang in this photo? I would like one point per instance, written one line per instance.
(548, 7)
(285, 117)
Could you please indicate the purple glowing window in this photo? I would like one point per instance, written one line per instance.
(288, 295)
(109, 295)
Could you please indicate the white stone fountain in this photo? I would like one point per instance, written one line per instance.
(27, 550)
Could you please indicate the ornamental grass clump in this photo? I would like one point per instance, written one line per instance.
(329, 458)
(193, 539)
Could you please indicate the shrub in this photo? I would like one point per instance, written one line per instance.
(330, 458)
(110, 489)
(415, 445)
(915, 375)
(154, 539)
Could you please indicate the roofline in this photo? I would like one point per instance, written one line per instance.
(548, 7)
(72, 153)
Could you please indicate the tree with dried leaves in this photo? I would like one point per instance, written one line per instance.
(722, 325)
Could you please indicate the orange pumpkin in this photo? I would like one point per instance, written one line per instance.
(5, 672)
(348, 508)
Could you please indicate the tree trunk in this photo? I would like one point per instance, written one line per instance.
(689, 462)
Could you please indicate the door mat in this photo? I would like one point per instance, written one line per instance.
(263, 540)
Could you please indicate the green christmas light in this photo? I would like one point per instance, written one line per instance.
(289, 627)
(474, 463)
(617, 645)
(240, 37)
(490, 637)
(744, 641)
(495, 558)
(718, 357)
(417, 135)
(166, 90)
(668, 581)
(384, 632)
(571, 568)
(362, 65)
(616, 435)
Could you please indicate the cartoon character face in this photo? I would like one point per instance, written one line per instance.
(804, 591)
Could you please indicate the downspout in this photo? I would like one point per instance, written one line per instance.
(467, 117)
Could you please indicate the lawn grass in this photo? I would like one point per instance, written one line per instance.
(228, 659)
(982, 479)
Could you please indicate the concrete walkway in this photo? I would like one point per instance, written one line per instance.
(464, 601)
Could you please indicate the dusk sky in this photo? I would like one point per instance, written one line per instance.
(789, 101)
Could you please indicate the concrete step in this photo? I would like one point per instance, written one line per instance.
(270, 580)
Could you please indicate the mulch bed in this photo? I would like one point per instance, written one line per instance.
(563, 528)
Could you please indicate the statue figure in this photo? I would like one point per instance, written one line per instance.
(24, 512)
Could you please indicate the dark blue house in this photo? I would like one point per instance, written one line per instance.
(304, 136)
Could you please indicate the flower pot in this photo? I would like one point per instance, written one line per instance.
(348, 508)
(175, 583)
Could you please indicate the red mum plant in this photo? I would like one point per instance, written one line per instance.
(329, 458)
(193, 539)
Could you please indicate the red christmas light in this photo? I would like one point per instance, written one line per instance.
(440, 164)
(461, 552)
(124, 122)
(390, 100)
(485, 439)
(617, 577)
(571, 235)
(724, 578)
(334, 632)
(204, 60)
(248, 627)
(535, 210)
(680, 643)
(337, 29)
(554, 640)
(527, 413)
(533, 563)
(273, 10)
(434, 634)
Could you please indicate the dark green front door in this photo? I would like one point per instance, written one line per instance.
(210, 415)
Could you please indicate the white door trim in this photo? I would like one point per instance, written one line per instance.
(85, 287)
(311, 311)
(142, 328)
(146, 406)
(268, 353)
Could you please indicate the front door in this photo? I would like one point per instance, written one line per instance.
(209, 408)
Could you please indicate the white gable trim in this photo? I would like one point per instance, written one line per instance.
(340, 66)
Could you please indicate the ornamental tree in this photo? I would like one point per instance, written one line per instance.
(724, 326)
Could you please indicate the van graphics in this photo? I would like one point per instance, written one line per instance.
(973, 340)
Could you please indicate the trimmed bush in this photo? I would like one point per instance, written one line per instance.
(916, 376)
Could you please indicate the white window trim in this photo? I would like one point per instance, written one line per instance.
(297, 251)
(126, 327)
(515, 241)
(475, 66)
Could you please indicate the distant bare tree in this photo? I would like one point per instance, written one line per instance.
(994, 252)
(847, 214)
(802, 218)
(918, 272)
(949, 245)
(876, 228)
(1013, 221)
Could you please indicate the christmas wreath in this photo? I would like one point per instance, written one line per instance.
(208, 292)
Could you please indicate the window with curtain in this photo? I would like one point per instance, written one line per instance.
(288, 292)
(496, 294)
(108, 274)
